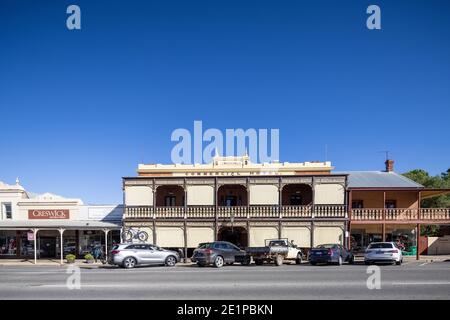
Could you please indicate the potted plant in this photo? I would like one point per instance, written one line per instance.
(70, 258)
(89, 258)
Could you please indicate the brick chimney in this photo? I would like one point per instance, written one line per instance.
(389, 165)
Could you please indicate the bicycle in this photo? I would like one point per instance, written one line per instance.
(131, 234)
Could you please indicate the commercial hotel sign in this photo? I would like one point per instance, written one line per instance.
(53, 214)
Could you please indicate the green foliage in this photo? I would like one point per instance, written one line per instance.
(439, 181)
(70, 257)
(430, 230)
(443, 201)
(89, 256)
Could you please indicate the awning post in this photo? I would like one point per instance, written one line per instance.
(35, 244)
(106, 231)
(61, 249)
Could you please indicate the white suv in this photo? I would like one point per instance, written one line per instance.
(383, 252)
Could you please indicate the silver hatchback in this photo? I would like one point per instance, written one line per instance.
(130, 255)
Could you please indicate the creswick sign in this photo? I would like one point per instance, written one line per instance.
(53, 214)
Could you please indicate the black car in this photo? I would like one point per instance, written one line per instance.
(330, 253)
(219, 253)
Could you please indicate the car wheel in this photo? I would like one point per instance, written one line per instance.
(278, 260)
(399, 262)
(218, 262)
(171, 261)
(246, 262)
(129, 262)
(299, 258)
(259, 262)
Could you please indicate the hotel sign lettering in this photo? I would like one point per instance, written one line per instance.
(53, 214)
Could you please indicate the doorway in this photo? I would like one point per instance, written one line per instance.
(236, 235)
(47, 247)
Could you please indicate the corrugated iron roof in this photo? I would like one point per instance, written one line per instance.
(378, 179)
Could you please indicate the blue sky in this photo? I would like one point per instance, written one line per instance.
(80, 109)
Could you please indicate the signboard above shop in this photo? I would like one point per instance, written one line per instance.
(52, 214)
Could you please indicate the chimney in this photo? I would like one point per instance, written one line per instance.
(389, 165)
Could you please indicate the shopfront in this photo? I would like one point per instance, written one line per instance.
(20, 243)
(48, 226)
(404, 235)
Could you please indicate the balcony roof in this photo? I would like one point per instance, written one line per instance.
(379, 179)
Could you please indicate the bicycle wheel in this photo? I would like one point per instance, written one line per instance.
(127, 235)
(142, 236)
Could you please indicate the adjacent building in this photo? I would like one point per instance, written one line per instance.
(51, 226)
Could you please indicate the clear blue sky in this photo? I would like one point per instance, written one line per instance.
(80, 109)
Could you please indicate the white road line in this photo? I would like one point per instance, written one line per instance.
(423, 264)
(424, 283)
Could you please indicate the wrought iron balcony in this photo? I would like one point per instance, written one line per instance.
(400, 214)
(237, 212)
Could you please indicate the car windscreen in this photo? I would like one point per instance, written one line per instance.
(380, 246)
(277, 243)
(205, 246)
(325, 246)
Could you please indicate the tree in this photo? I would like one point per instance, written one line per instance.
(439, 181)
(443, 201)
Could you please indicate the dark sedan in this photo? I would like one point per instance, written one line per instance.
(330, 253)
(219, 253)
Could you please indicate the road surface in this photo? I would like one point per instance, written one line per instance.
(413, 280)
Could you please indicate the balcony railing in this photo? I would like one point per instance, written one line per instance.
(237, 212)
(324, 211)
(263, 212)
(169, 212)
(296, 211)
(435, 214)
(400, 214)
(138, 212)
(299, 212)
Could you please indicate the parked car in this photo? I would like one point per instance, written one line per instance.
(383, 252)
(219, 253)
(330, 253)
(131, 255)
(275, 250)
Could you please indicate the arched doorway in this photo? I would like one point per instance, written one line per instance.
(232, 195)
(170, 196)
(296, 195)
(236, 235)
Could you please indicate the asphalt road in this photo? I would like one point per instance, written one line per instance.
(413, 280)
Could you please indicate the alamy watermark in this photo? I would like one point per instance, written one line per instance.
(201, 146)
(73, 281)
(374, 20)
(374, 279)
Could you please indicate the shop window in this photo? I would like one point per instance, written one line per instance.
(8, 244)
(7, 210)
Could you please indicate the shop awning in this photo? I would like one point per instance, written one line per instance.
(433, 192)
(57, 224)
